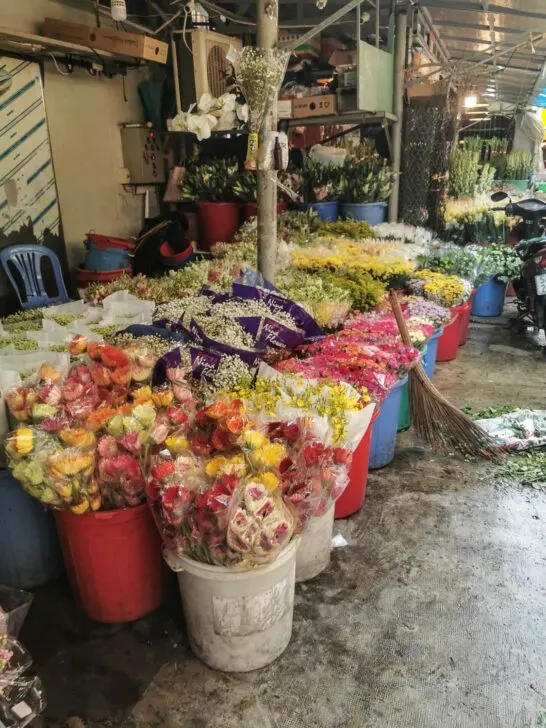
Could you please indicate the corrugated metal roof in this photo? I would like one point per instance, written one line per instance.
(472, 30)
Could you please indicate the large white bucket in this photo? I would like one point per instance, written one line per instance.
(316, 543)
(238, 620)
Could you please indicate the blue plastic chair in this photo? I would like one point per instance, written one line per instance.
(27, 260)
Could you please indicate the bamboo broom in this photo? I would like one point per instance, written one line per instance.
(436, 421)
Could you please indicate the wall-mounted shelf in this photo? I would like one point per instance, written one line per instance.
(357, 118)
(38, 45)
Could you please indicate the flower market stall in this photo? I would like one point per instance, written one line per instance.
(213, 423)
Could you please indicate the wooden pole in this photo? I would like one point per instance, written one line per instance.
(268, 30)
(398, 91)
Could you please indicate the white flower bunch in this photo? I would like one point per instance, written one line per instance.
(421, 239)
(232, 372)
(221, 114)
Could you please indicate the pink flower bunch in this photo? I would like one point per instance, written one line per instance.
(366, 354)
(120, 474)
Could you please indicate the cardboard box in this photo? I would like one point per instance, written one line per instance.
(314, 106)
(108, 39)
(284, 108)
(69, 32)
(129, 44)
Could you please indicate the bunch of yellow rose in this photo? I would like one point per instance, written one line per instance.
(58, 469)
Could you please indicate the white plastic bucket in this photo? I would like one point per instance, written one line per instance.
(316, 543)
(238, 620)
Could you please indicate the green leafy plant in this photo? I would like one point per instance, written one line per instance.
(452, 260)
(490, 412)
(352, 229)
(495, 261)
(319, 182)
(463, 172)
(245, 186)
(519, 165)
(473, 144)
(210, 182)
(485, 179)
(364, 291)
(367, 180)
(529, 468)
(298, 228)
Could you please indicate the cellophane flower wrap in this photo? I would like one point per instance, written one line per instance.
(321, 424)
(57, 468)
(21, 697)
(218, 500)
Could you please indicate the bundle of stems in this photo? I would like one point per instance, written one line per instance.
(436, 421)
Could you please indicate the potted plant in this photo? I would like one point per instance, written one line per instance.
(245, 188)
(211, 186)
(367, 185)
(497, 264)
(319, 188)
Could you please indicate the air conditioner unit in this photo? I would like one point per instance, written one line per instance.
(204, 68)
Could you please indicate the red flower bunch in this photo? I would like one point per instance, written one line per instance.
(314, 475)
(120, 475)
(218, 427)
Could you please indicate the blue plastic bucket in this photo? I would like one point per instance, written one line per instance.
(404, 417)
(105, 258)
(373, 213)
(385, 427)
(29, 550)
(489, 298)
(327, 211)
(429, 360)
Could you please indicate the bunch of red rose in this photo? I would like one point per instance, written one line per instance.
(314, 475)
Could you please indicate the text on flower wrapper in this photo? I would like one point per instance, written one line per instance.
(242, 616)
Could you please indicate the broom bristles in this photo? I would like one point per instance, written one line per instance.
(436, 421)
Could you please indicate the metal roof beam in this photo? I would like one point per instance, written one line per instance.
(477, 6)
(478, 27)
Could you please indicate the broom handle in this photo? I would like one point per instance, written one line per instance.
(400, 320)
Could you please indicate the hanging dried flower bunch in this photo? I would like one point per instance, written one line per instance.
(259, 73)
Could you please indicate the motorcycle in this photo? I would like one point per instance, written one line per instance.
(531, 248)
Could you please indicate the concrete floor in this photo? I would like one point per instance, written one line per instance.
(433, 617)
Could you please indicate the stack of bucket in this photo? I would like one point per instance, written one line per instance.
(106, 259)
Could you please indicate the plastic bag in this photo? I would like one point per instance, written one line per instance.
(218, 500)
(56, 468)
(21, 702)
(21, 698)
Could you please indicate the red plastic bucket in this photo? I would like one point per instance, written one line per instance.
(250, 209)
(352, 498)
(114, 562)
(448, 344)
(464, 320)
(218, 222)
(85, 277)
(104, 242)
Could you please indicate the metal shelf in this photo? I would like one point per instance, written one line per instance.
(15, 41)
(357, 118)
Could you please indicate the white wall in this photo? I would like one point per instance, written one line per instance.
(83, 116)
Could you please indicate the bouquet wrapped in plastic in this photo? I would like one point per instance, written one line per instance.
(259, 73)
(57, 468)
(219, 499)
(21, 698)
(37, 399)
(314, 474)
